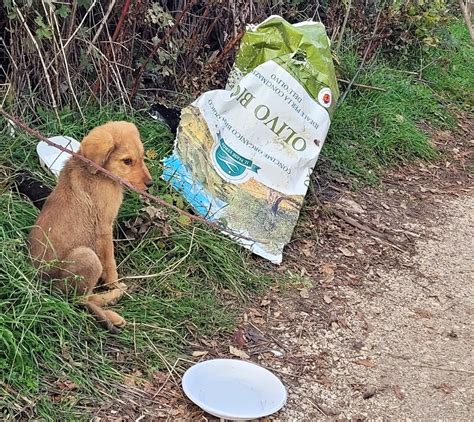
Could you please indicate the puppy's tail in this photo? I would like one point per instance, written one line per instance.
(101, 317)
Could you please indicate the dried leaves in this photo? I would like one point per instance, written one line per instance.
(149, 218)
(304, 293)
(327, 299)
(365, 362)
(346, 252)
(444, 387)
(239, 353)
(327, 270)
(239, 338)
(398, 392)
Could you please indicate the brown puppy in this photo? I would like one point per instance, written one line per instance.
(72, 237)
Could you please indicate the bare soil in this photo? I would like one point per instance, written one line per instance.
(376, 320)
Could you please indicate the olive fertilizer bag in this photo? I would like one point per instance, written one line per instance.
(243, 156)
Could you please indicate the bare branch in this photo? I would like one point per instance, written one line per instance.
(165, 37)
(119, 179)
(467, 18)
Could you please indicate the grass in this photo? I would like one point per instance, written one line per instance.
(450, 68)
(47, 343)
(55, 363)
(372, 129)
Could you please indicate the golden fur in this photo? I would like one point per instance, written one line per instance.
(73, 233)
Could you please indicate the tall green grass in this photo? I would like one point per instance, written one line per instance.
(373, 129)
(449, 69)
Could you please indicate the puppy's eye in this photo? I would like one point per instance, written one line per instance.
(127, 161)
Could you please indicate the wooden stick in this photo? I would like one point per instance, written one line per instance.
(66, 64)
(101, 26)
(364, 58)
(233, 42)
(355, 223)
(343, 27)
(230, 45)
(123, 15)
(317, 407)
(110, 49)
(118, 179)
(71, 37)
(43, 63)
(375, 88)
(440, 368)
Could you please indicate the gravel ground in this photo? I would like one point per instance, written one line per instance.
(405, 348)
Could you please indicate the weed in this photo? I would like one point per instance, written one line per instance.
(450, 68)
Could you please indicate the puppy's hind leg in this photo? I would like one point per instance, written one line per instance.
(80, 272)
(108, 319)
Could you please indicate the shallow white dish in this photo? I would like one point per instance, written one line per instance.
(53, 159)
(234, 389)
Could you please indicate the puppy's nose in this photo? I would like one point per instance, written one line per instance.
(149, 183)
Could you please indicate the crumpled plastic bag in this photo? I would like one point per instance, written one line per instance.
(243, 156)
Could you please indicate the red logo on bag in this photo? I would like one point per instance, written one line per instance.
(325, 97)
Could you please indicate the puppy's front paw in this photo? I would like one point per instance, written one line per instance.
(115, 318)
(111, 285)
(122, 286)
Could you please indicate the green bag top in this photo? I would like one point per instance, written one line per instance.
(302, 49)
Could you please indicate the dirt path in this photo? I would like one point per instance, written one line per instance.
(379, 320)
(405, 347)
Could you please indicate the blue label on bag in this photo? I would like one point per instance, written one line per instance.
(230, 162)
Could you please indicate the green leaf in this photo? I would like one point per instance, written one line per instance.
(39, 21)
(63, 11)
(84, 3)
(184, 220)
(12, 15)
(180, 202)
(44, 33)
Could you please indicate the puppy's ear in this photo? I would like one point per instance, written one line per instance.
(97, 147)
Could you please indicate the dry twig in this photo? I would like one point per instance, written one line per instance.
(165, 37)
(343, 27)
(43, 63)
(120, 180)
(467, 18)
(355, 223)
(66, 65)
(375, 88)
(101, 26)
(379, 237)
(364, 58)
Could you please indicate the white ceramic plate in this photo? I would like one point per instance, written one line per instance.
(234, 389)
(53, 159)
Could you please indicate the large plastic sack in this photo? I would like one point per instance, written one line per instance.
(243, 156)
